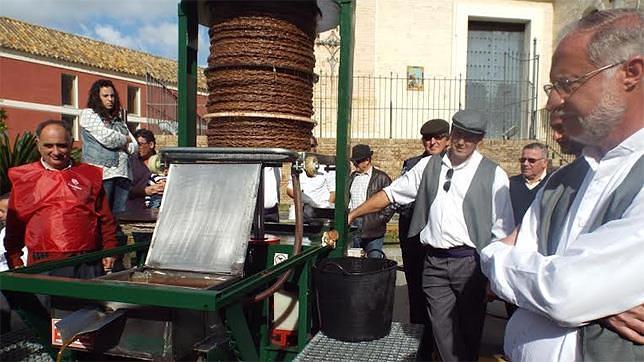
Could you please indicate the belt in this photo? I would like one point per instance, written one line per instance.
(455, 252)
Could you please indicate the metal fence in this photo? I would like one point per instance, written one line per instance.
(162, 108)
(543, 132)
(396, 107)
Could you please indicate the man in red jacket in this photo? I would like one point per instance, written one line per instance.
(58, 208)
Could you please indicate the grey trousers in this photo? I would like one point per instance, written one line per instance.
(455, 292)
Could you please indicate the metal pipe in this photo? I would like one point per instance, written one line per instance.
(299, 233)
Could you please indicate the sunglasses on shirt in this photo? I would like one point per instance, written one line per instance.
(448, 179)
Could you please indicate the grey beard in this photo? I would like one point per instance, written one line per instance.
(602, 120)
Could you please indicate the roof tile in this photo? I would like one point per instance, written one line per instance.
(53, 44)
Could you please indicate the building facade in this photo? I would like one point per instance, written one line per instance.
(47, 74)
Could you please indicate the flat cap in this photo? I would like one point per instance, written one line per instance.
(469, 121)
(360, 152)
(434, 127)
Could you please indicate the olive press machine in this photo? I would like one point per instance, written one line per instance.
(193, 297)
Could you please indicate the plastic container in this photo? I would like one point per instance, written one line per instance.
(355, 297)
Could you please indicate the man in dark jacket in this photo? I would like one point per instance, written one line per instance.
(365, 181)
(435, 139)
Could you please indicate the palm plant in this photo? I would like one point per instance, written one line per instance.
(24, 150)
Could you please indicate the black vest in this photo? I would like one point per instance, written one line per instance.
(477, 204)
(597, 342)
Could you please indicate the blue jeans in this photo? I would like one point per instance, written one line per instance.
(372, 246)
(116, 191)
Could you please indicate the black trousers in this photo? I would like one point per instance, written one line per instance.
(413, 255)
(455, 292)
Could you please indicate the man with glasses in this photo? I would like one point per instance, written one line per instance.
(462, 203)
(576, 269)
(364, 182)
(524, 187)
(435, 139)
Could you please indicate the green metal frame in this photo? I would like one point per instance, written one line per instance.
(345, 90)
(187, 73)
(228, 300)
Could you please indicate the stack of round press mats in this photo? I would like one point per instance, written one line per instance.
(260, 74)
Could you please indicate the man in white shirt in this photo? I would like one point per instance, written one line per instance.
(462, 203)
(317, 191)
(578, 256)
(272, 179)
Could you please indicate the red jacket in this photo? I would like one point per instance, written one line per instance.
(57, 213)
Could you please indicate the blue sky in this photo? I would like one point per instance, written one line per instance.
(146, 25)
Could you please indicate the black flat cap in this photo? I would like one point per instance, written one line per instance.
(434, 127)
(469, 121)
(360, 152)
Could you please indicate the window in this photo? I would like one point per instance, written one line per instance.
(68, 91)
(72, 121)
(133, 100)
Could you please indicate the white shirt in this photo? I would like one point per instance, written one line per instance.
(446, 226)
(532, 185)
(110, 138)
(4, 265)
(316, 190)
(359, 188)
(271, 186)
(591, 275)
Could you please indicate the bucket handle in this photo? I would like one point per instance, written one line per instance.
(337, 266)
(381, 252)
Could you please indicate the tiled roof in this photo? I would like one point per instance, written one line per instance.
(60, 46)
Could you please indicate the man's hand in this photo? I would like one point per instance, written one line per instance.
(629, 324)
(155, 189)
(350, 218)
(489, 294)
(108, 262)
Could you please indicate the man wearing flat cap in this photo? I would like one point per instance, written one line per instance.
(364, 182)
(462, 204)
(435, 139)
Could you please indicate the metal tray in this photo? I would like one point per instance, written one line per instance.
(205, 218)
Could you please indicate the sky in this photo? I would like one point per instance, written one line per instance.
(145, 25)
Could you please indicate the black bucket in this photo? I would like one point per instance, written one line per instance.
(355, 297)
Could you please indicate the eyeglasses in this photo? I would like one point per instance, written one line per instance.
(142, 143)
(565, 86)
(529, 159)
(448, 179)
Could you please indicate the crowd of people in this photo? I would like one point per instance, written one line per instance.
(563, 249)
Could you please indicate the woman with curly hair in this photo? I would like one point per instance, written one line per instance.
(107, 142)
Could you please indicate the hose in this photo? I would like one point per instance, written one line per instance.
(299, 234)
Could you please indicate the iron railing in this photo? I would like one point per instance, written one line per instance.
(543, 133)
(162, 108)
(396, 107)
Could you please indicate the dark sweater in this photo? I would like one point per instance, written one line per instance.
(140, 178)
(522, 196)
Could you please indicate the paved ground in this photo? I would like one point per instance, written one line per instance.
(492, 342)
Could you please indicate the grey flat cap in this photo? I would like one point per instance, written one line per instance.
(469, 121)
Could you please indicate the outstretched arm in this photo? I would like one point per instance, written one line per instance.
(375, 203)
